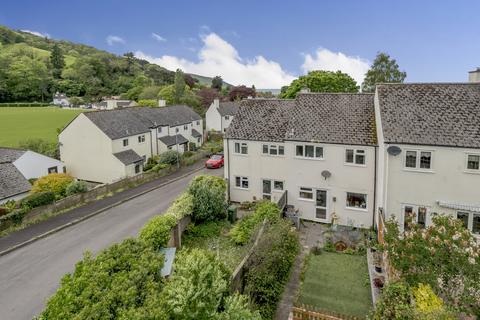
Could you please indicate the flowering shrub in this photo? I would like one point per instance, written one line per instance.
(445, 256)
(54, 182)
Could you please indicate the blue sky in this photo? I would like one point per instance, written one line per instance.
(268, 43)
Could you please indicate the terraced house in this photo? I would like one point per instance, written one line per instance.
(105, 146)
(407, 150)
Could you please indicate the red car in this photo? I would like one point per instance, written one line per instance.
(215, 161)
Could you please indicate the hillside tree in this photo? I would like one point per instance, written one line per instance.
(217, 83)
(57, 60)
(241, 92)
(179, 86)
(384, 69)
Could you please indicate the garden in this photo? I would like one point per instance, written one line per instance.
(124, 282)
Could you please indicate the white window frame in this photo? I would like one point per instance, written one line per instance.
(356, 208)
(307, 190)
(185, 126)
(227, 117)
(467, 154)
(141, 139)
(418, 153)
(271, 147)
(125, 142)
(159, 129)
(315, 157)
(242, 179)
(272, 186)
(356, 152)
(240, 145)
(415, 208)
(470, 220)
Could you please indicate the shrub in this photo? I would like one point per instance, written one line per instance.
(208, 198)
(4, 211)
(187, 154)
(169, 157)
(182, 206)
(76, 187)
(54, 182)
(198, 286)
(243, 230)
(189, 161)
(157, 231)
(394, 303)
(38, 199)
(122, 282)
(151, 162)
(425, 299)
(160, 166)
(269, 267)
(16, 216)
(238, 308)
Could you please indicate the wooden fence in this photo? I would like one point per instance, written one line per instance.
(306, 312)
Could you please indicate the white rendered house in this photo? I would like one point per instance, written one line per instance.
(220, 114)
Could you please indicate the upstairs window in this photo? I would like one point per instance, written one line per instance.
(241, 148)
(141, 138)
(125, 142)
(473, 162)
(273, 150)
(355, 156)
(415, 159)
(198, 123)
(185, 127)
(159, 129)
(227, 117)
(309, 151)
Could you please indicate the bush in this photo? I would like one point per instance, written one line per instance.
(4, 211)
(238, 308)
(169, 157)
(160, 166)
(243, 230)
(208, 198)
(76, 187)
(122, 282)
(182, 206)
(50, 149)
(187, 154)
(38, 199)
(16, 216)
(394, 303)
(54, 182)
(269, 267)
(157, 231)
(151, 162)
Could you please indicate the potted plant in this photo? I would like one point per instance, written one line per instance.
(377, 261)
(379, 282)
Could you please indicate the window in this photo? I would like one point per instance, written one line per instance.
(159, 129)
(278, 185)
(125, 142)
(198, 140)
(141, 139)
(241, 182)
(52, 170)
(470, 220)
(306, 193)
(476, 224)
(185, 127)
(309, 151)
(356, 200)
(321, 204)
(177, 130)
(463, 216)
(473, 162)
(137, 168)
(415, 214)
(418, 159)
(241, 148)
(273, 150)
(198, 123)
(355, 156)
(226, 117)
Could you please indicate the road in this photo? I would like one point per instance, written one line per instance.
(30, 275)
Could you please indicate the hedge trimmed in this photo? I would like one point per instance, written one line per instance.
(15, 216)
(38, 199)
(157, 231)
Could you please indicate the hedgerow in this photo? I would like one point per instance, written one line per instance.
(157, 231)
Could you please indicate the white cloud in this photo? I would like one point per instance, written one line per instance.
(218, 57)
(36, 33)
(324, 59)
(112, 40)
(158, 37)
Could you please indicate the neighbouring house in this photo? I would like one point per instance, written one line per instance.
(220, 114)
(17, 166)
(474, 76)
(61, 99)
(319, 148)
(110, 104)
(429, 148)
(105, 146)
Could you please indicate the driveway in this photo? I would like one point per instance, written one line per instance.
(30, 275)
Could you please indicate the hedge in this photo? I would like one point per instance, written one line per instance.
(208, 198)
(38, 199)
(182, 206)
(55, 182)
(15, 216)
(76, 187)
(157, 231)
(24, 104)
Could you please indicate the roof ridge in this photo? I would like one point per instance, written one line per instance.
(428, 83)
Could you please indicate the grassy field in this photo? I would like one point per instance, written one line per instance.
(17, 124)
(336, 282)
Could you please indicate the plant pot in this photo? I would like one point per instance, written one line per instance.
(373, 249)
(378, 269)
(379, 282)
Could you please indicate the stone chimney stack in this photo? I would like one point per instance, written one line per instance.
(162, 103)
(216, 103)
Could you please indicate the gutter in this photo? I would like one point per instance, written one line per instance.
(228, 171)
(374, 189)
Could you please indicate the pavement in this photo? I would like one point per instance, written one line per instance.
(30, 274)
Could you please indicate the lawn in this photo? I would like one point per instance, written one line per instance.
(17, 124)
(336, 282)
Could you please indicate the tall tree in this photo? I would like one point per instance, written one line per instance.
(240, 92)
(130, 61)
(383, 70)
(179, 86)
(190, 81)
(217, 83)
(321, 81)
(57, 60)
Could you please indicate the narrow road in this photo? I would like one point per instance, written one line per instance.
(30, 275)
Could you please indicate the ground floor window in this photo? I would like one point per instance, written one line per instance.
(52, 170)
(137, 168)
(267, 187)
(415, 214)
(306, 193)
(356, 200)
(241, 182)
(470, 220)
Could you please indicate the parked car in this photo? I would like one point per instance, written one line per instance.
(215, 161)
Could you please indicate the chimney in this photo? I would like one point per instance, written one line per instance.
(162, 103)
(249, 97)
(305, 90)
(216, 103)
(474, 76)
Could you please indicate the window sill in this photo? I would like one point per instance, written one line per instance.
(273, 155)
(357, 209)
(418, 170)
(471, 172)
(239, 188)
(240, 154)
(306, 200)
(307, 158)
(355, 165)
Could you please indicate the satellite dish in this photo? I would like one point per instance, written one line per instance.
(394, 150)
(326, 174)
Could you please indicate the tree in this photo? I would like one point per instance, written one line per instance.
(130, 57)
(321, 81)
(149, 92)
(57, 61)
(383, 70)
(240, 92)
(208, 198)
(190, 81)
(207, 95)
(50, 149)
(179, 86)
(217, 83)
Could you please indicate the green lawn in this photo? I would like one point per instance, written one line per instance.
(17, 124)
(336, 282)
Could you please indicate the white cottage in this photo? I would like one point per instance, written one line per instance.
(220, 114)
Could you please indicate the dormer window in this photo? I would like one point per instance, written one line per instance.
(125, 142)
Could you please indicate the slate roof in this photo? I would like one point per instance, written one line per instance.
(320, 117)
(128, 157)
(441, 114)
(12, 182)
(170, 140)
(10, 154)
(261, 119)
(119, 123)
(196, 134)
(228, 108)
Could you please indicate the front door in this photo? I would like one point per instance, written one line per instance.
(267, 189)
(321, 205)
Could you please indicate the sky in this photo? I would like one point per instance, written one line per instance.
(268, 43)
